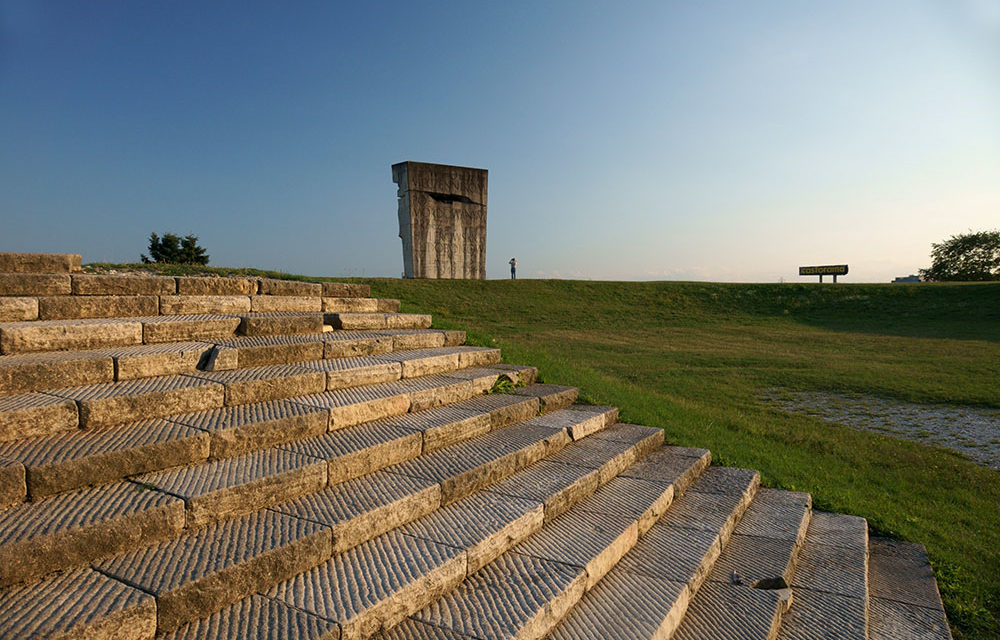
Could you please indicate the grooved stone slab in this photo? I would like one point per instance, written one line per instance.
(349, 407)
(77, 605)
(485, 525)
(833, 569)
(839, 530)
(259, 618)
(226, 488)
(375, 584)
(18, 309)
(558, 486)
(668, 466)
(188, 327)
(61, 335)
(892, 620)
(610, 413)
(764, 563)
(674, 554)
(34, 284)
(473, 464)
(103, 405)
(12, 485)
(252, 427)
(39, 262)
(626, 606)
(552, 396)
(378, 320)
(812, 612)
(433, 391)
(68, 307)
(341, 373)
(200, 573)
(503, 408)
(594, 542)
(645, 439)
(443, 426)
(75, 459)
(642, 501)
(347, 344)
(608, 457)
(777, 514)
(35, 414)
(272, 287)
(270, 324)
(257, 351)
(274, 382)
(271, 304)
(361, 509)
(476, 356)
(188, 305)
(424, 362)
(147, 361)
(196, 286)
(728, 481)
(345, 290)
(404, 339)
(515, 596)
(900, 571)
(351, 305)
(723, 612)
(707, 511)
(360, 449)
(578, 424)
(85, 284)
(71, 529)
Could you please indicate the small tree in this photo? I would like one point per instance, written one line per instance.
(173, 249)
(966, 257)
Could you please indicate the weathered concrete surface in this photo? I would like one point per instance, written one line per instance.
(39, 262)
(442, 220)
(18, 309)
(85, 284)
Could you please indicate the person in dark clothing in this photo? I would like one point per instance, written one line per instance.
(513, 268)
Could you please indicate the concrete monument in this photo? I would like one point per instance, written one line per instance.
(442, 220)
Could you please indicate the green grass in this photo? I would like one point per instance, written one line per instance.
(693, 358)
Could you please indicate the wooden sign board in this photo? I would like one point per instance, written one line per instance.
(824, 270)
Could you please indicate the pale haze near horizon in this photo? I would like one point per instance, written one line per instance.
(726, 141)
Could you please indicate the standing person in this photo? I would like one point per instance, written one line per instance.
(513, 268)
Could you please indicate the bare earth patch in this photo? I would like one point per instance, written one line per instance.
(971, 431)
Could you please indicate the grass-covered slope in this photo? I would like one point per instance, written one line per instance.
(693, 358)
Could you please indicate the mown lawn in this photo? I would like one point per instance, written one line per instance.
(693, 359)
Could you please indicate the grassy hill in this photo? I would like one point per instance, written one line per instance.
(693, 359)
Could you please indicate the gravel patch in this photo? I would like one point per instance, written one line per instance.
(971, 431)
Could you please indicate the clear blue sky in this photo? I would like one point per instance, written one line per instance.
(625, 140)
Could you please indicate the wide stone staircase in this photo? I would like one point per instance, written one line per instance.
(204, 457)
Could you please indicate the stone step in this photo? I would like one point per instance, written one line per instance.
(73, 529)
(648, 591)
(39, 262)
(185, 323)
(830, 586)
(904, 601)
(22, 373)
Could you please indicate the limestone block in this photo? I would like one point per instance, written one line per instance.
(201, 286)
(387, 305)
(557, 486)
(518, 374)
(185, 328)
(273, 287)
(339, 345)
(221, 489)
(222, 359)
(361, 449)
(259, 618)
(407, 321)
(357, 321)
(445, 425)
(755, 613)
(272, 304)
(355, 405)
(18, 309)
(76, 605)
(578, 424)
(280, 324)
(416, 339)
(72, 529)
(185, 305)
(257, 351)
(68, 307)
(345, 290)
(503, 409)
(350, 305)
(254, 427)
(453, 338)
(666, 466)
(104, 405)
(423, 362)
(94, 285)
(552, 397)
(13, 488)
(75, 459)
(50, 370)
(160, 360)
(34, 284)
(355, 372)
(39, 262)
(258, 384)
(477, 356)
(204, 571)
(642, 501)
(437, 390)
(35, 414)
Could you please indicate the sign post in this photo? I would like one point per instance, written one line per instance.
(824, 270)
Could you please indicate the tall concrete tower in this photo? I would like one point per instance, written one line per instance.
(442, 220)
